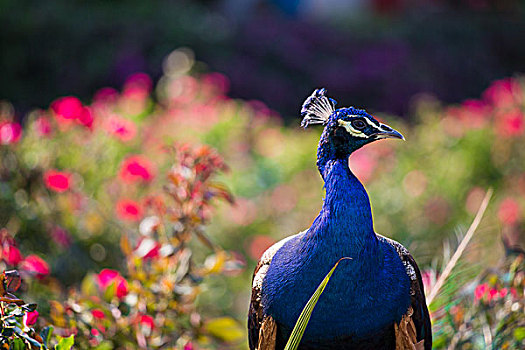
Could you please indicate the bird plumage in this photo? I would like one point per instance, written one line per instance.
(376, 299)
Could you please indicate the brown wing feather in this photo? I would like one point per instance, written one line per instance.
(255, 314)
(258, 323)
(418, 314)
(267, 334)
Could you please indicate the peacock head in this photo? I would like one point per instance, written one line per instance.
(346, 129)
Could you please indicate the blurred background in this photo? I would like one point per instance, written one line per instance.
(375, 53)
(151, 151)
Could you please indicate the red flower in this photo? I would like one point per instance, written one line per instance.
(480, 291)
(136, 168)
(128, 210)
(138, 85)
(30, 318)
(147, 320)
(36, 266)
(106, 277)
(98, 314)
(10, 133)
(504, 93)
(68, 107)
(86, 117)
(147, 324)
(12, 255)
(57, 181)
(8, 250)
(509, 211)
(511, 123)
(106, 95)
(493, 294)
(474, 113)
(121, 128)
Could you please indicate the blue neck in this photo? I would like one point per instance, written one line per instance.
(345, 221)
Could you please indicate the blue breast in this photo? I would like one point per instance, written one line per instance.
(364, 295)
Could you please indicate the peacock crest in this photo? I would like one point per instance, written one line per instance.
(317, 108)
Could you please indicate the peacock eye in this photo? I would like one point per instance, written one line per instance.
(359, 124)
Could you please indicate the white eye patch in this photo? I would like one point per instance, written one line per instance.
(354, 132)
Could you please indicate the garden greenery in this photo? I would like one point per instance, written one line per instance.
(120, 218)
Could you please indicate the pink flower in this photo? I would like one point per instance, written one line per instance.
(10, 133)
(138, 86)
(511, 123)
(95, 332)
(86, 117)
(218, 83)
(98, 314)
(136, 168)
(480, 291)
(147, 324)
(504, 93)
(503, 292)
(57, 181)
(30, 318)
(68, 107)
(121, 128)
(147, 321)
(43, 126)
(61, 237)
(12, 255)
(128, 210)
(474, 113)
(36, 266)
(509, 211)
(188, 346)
(106, 277)
(493, 294)
(106, 95)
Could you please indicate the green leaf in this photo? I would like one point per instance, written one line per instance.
(46, 334)
(519, 333)
(65, 343)
(225, 328)
(18, 344)
(88, 286)
(110, 291)
(105, 345)
(304, 317)
(27, 338)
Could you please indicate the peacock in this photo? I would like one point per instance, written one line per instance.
(375, 299)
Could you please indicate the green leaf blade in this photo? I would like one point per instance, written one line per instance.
(304, 317)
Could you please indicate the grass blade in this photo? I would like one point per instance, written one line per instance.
(461, 248)
(304, 317)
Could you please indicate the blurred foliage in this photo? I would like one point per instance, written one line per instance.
(109, 213)
(18, 318)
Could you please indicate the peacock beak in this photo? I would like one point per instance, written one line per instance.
(386, 132)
